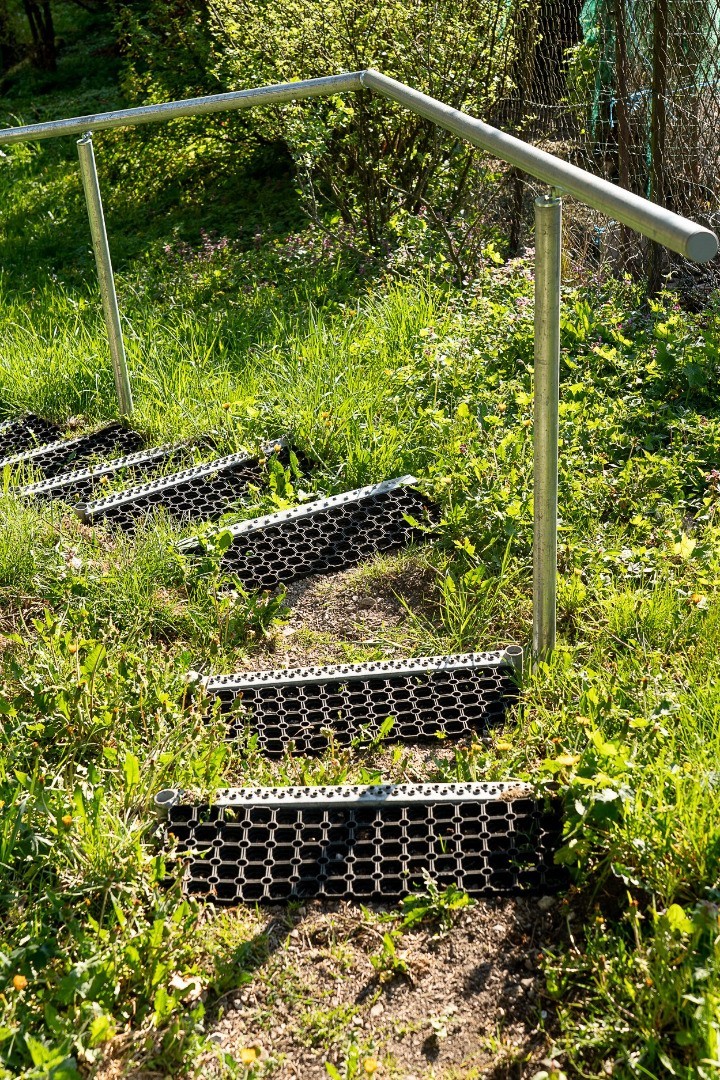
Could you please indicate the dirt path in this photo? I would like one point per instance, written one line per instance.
(469, 1006)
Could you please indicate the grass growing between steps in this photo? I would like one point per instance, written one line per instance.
(262, 326)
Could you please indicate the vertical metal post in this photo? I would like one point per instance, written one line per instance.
(548, 254)
(106, 279)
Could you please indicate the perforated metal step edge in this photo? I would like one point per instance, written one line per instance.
(511, 656)
(56, 485)
(88, 511)
(351, 795)
(307, 510)
(115, 433)
(24, 432)
(361, 842)
(305, 711)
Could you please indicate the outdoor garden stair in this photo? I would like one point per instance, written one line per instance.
(372, 841)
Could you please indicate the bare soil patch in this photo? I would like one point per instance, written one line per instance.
(357, 611)
(470, 1006)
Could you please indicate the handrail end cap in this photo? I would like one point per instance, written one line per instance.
(702, 246)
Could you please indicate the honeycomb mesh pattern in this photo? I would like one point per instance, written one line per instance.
(204, 492)
(275, 845)
(80, 483)
(330, 534)
(59, 457)
(25, 433)
(307, 710)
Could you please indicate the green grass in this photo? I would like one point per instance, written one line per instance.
(373, 376)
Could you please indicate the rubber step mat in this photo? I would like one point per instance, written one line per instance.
(24, 433)
(376, 842)
(205, 491)
(306, 710)
(81, 483)
(325, 535)
(58, 457)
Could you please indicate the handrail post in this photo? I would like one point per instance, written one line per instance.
(548, 255)
(106, 278)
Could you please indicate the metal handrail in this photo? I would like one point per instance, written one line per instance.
(663, 226)
(276, 94)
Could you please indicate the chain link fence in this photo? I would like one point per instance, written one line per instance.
(630, 90)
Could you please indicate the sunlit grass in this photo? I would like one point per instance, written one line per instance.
(372, 378)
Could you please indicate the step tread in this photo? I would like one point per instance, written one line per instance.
(79, 483)
(365, 842)
(324, 535)
(204, 491)
(24, 433)
(60, 456)
(308, 709)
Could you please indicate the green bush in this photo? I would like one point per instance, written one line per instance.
(356, 156)
(368, 158)
(167, 54)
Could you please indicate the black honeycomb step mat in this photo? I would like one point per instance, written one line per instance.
(205, 491)
(24, 433)
(377, 842)
(322, 536)
(305, 710)
(80, 483)
(61, 456)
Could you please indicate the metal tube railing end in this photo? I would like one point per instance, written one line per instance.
(656, 222)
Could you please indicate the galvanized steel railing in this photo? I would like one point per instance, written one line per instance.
(663, 226)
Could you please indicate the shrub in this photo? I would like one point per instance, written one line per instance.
(368, 158)
(367, 169)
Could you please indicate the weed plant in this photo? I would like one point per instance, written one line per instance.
(260, 325)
